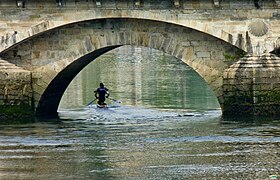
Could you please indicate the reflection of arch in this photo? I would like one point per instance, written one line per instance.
(55, 57)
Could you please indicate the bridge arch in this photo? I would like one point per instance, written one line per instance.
(56, 19)
(55, 57)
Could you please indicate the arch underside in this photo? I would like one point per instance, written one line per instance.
(276, 51)
(57, 56)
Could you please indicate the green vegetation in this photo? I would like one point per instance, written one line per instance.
(268, 96)
(15, 114)
(234, 57)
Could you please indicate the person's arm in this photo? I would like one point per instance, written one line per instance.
(107, 92)
(95, 94)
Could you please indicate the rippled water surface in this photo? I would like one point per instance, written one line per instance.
(152, 134)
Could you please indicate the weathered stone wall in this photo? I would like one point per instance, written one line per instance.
(252, 87)
(49, 54)
(48, 39)
(15, 92)
(237, 22)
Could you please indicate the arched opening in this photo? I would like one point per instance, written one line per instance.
(141, 76)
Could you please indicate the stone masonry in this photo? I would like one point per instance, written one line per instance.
(46, 44)
(252, 87)
(15, 91)
(51, 53)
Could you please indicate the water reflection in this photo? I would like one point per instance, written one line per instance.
(142, 77)
(134, 141)
(149, 145)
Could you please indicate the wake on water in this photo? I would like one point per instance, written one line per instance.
(117, 113)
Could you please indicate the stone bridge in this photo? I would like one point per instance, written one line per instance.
(44, 45)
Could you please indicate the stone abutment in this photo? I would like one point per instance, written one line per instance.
(251, 87)
(15, 92)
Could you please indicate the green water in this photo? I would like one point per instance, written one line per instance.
(142, 77)
(168, 126)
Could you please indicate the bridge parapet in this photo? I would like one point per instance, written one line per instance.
(140, 4)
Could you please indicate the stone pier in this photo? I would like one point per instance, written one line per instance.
(252, 87)
(15, 92)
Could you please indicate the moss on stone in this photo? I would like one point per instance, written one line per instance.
(16, 111)
(268, 96)
(234, 57)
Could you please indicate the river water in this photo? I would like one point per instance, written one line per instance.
(167, 126)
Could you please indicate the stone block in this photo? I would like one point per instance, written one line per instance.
(203, 54)
(186, 43)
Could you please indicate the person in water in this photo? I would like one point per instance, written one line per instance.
(102, 93)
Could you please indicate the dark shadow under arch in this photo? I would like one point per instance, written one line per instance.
(49, 102)
(276, 52)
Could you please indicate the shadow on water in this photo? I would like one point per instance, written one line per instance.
(255, 120)
(16, 121)
(255, 127)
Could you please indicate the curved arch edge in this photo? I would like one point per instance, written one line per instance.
(49, 101)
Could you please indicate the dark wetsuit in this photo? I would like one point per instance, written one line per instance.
(101, 91)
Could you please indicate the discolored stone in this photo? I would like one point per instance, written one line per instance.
(256, 93)
(15, 92)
